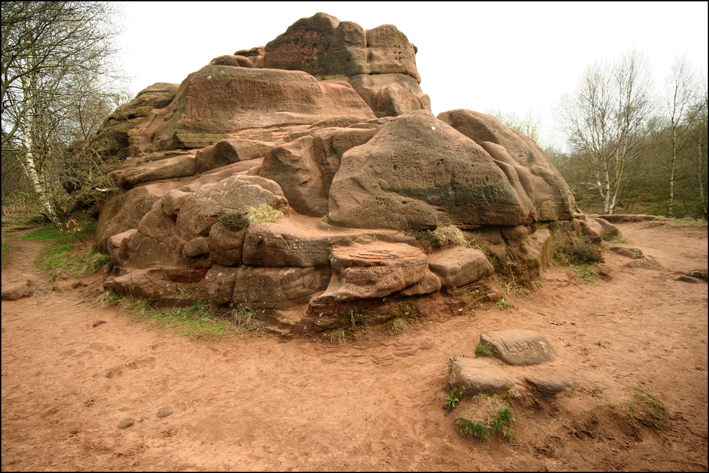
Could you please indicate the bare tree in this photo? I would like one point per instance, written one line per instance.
(680, 95)
(54, 55)
(530, 124)
(604, 120)
(698, 136)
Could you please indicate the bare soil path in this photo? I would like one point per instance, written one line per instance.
(260, 403)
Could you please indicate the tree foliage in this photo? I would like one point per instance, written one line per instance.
(58, 84)
(631, 147)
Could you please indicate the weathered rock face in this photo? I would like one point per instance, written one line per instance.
(323, 45)
(418, 172)
(516, 153)
(305, 167)
(216, 101)
(350, 161)
(136, 112)
(379, 63)
(373, 270)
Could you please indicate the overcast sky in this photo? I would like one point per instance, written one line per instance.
(512, 57)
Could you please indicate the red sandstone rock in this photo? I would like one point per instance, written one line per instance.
(418, 172)
(458, 266)
(373, 270)
(305, 167)
(553, 198)
(217, 101)
(15, 290)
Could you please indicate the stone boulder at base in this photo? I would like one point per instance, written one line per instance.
(474, 376)
(519, 347)
(276, 286)
(458, 266)
(417, 172)
(16, 290)
(302, 241)
(372, 270)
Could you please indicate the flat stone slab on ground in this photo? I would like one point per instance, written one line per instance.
(634, 253)
(644, 263)
(473, 376)
(520, 347)
(547, 386)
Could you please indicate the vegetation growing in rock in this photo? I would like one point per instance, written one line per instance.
(234, 221)
(264, 213)
(448, 235)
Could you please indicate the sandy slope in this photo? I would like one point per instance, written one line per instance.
(260, 403)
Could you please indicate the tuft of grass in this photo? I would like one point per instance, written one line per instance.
(194, 320)
(197, 320)
(264, 213)
(651, 411)
(53, 257)
(473, 429)
(245, 320)
(503, 303)
(483, 349)
(585, 272)
(396, 325)
(447, 235)
(500, 424)
(22, 218)
(107, 298)
(337, 335)
(48, 233)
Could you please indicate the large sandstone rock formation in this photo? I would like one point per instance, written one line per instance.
(327, 125)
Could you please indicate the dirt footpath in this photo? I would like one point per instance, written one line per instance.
(260, 403)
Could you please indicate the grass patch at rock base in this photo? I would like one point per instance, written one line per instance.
(500, 424)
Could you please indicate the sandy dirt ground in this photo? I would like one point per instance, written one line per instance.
(262, 403)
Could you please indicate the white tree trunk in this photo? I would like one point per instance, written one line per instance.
(28, 163)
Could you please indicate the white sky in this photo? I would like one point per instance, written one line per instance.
(511, 56)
